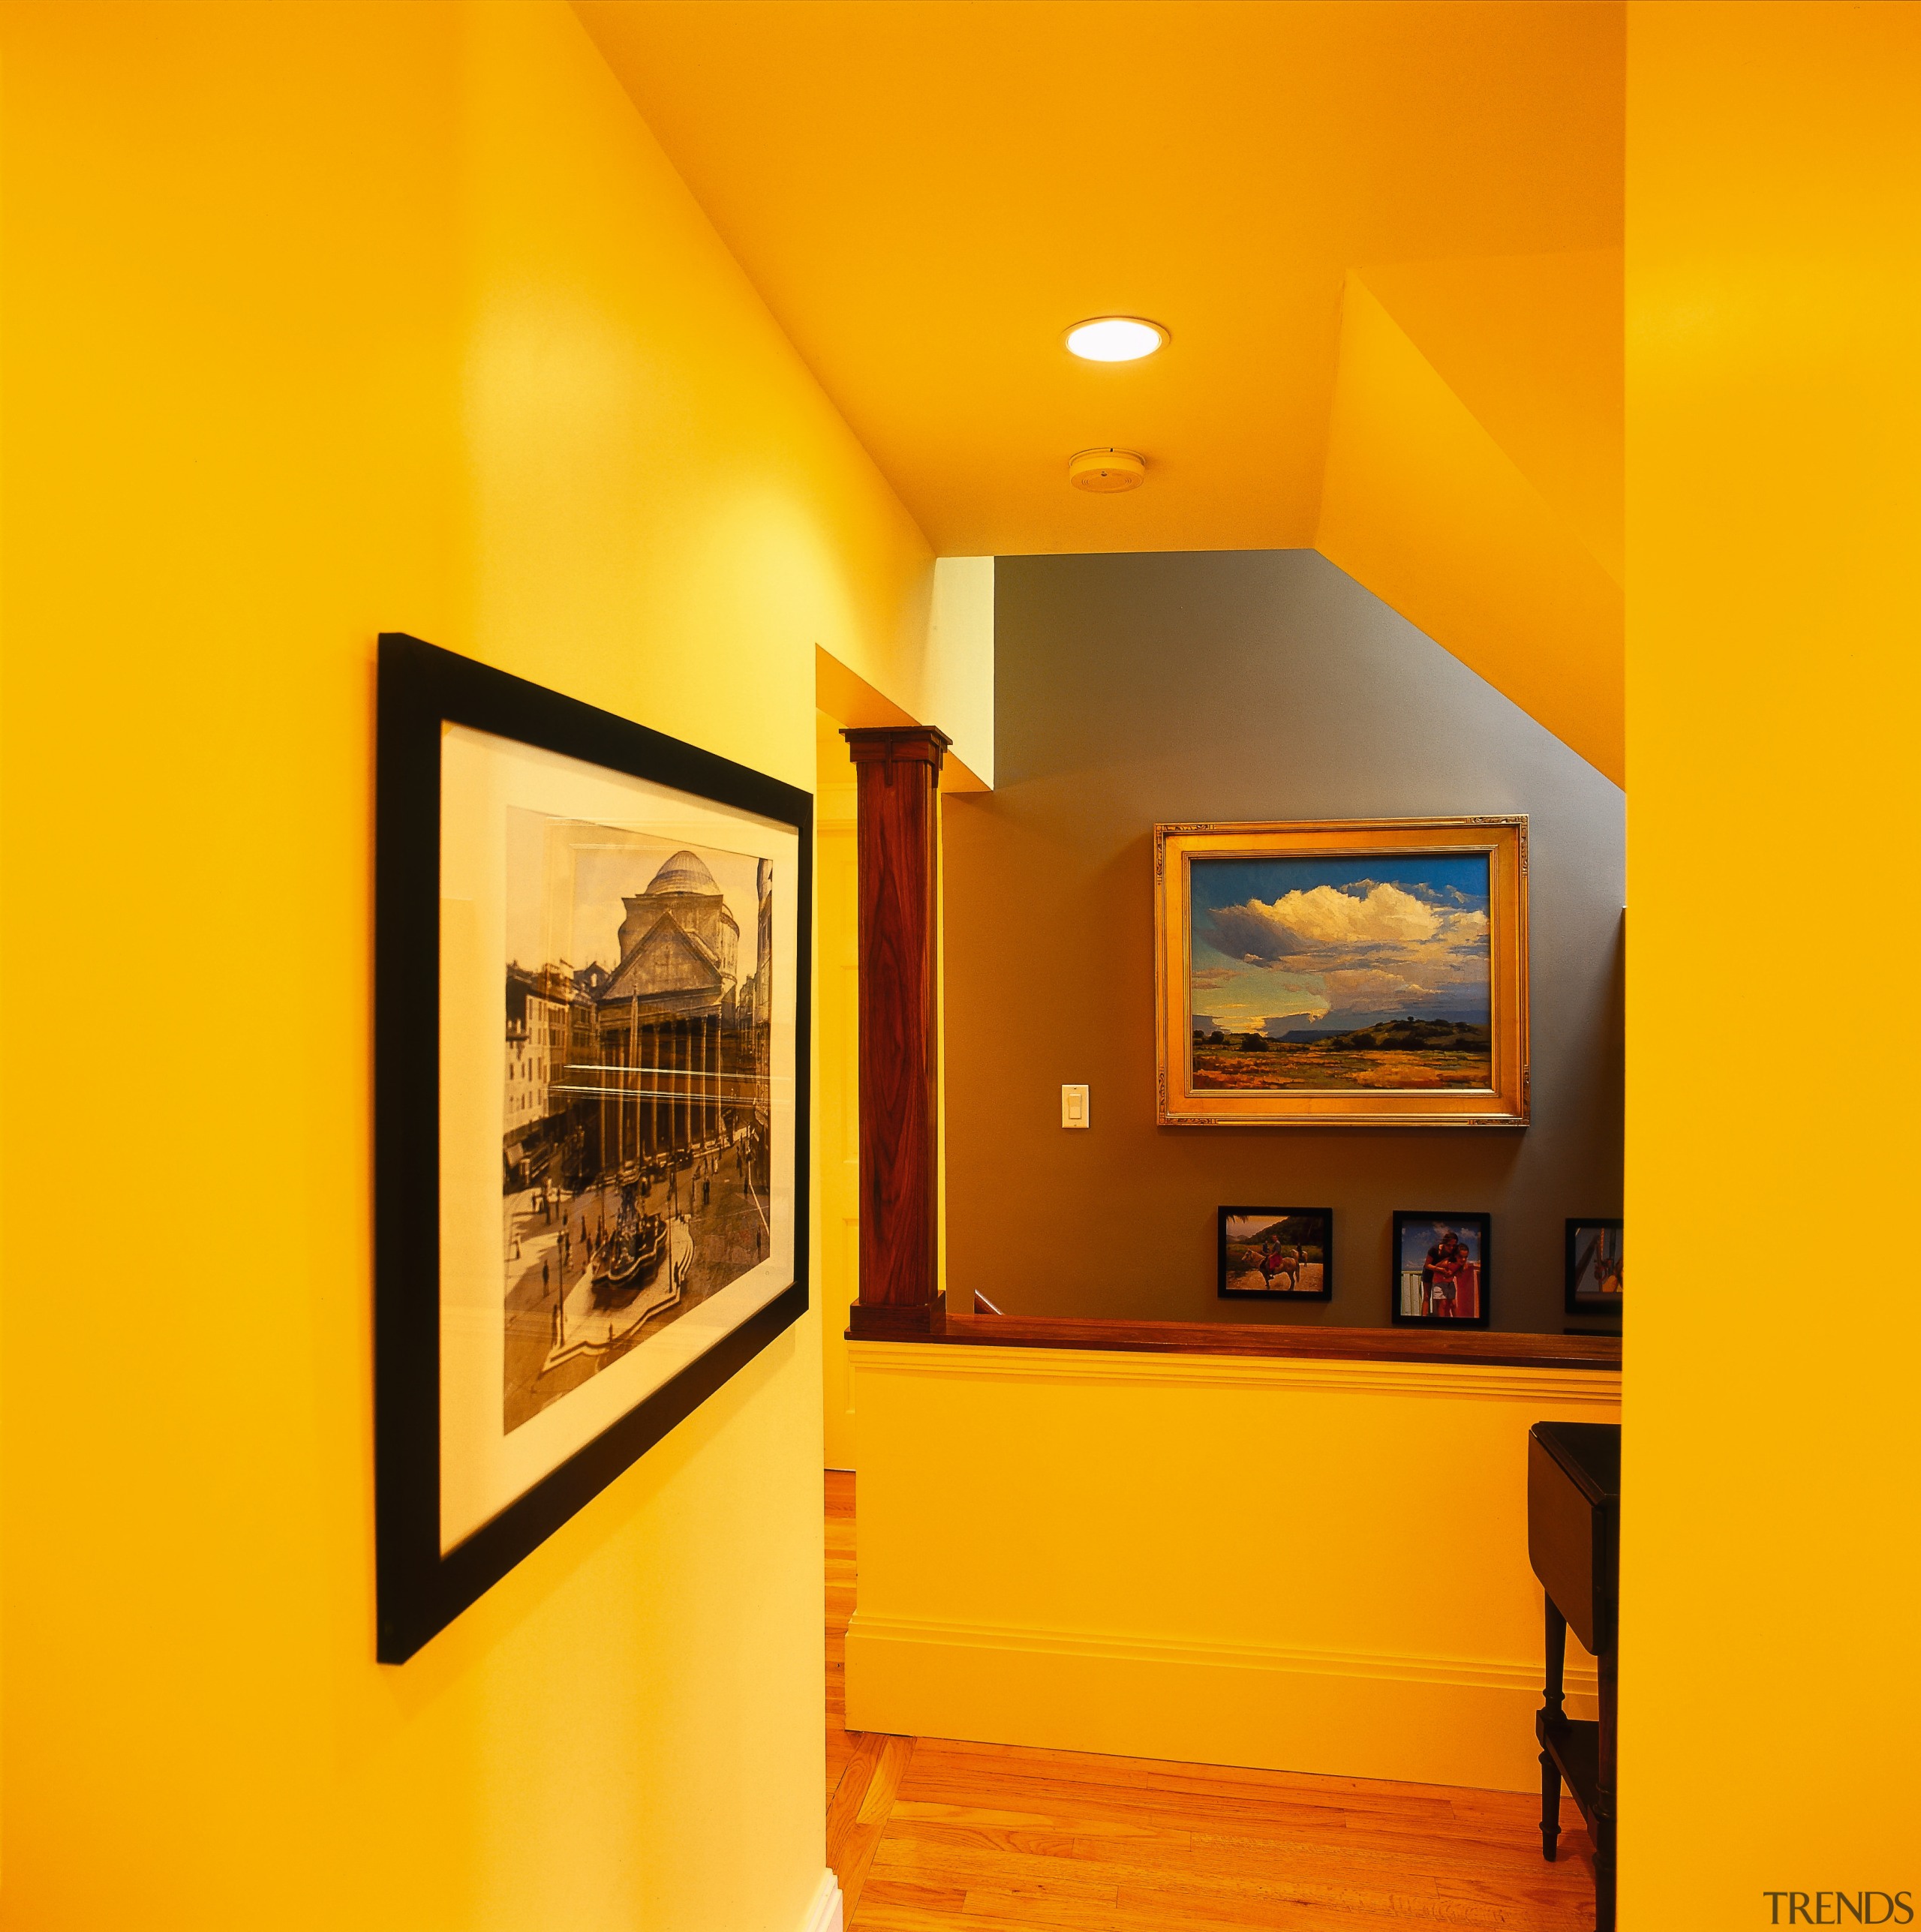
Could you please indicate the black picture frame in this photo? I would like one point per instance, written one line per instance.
(1406, 1219)
(1575, 1263)
(421, 687)
(1325, 1293)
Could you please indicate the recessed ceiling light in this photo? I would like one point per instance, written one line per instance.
(1116, 338)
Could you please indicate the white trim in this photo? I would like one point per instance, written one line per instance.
(824, 1914)
(1530, 1382)
(1471, 1673)
(959, 686)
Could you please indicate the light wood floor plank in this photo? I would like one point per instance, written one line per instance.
(850, 1793)
(1273, 1796)
(863, 1836)
(880, 1893)
(841, 1578)
(1354, 1884)
(1357, 1793)
(997, 1813)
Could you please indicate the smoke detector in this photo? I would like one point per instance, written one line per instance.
(1104, 471)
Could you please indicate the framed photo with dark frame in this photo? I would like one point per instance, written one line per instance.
(592, 949)
(1275, 1253)
(1594, 1265)
(1443, 1269)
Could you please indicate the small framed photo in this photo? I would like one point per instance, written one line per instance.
(1277, 1254)
(1441, 1269)
(1594, 1265)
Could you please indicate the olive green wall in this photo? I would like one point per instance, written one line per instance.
(1226, 685)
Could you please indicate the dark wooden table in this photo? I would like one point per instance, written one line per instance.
(1574, 1545)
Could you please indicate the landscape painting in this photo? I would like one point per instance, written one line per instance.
(1340, 973)
(1370, 971)
(1277, 1253)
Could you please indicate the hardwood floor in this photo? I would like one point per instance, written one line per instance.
(927, 1835)
(840, 1608)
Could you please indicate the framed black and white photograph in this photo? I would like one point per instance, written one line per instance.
(591, 1033)
(1275, 1253)
(1594, 1265)
(1443, 1269)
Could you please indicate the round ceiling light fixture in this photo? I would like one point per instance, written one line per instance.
(1116, 338)
(1104, 471)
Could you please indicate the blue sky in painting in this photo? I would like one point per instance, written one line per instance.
(1232, 881)
(1322, 945)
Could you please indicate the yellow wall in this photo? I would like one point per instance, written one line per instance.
(326, 318)
(1771, 1554)
(1321, 1567)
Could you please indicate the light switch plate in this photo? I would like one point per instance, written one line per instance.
(1074, 1106)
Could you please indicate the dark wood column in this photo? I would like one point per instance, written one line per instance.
(899, 773)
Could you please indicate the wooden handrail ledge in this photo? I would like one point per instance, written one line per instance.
(1478, 1348)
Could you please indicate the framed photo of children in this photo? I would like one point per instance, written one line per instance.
(1276, 1253)
(1442, 1269)
(590, 1108)
(1594, 1267)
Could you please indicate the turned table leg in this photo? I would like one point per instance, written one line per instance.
(1551, 1712)
(1604, 1830)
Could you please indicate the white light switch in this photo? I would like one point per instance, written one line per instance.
(1074, 1106)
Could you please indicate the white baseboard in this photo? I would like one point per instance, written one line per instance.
(1477, 1673)
(1420, 1719)
(824, 1914)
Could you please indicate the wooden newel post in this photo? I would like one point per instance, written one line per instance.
(899, 774)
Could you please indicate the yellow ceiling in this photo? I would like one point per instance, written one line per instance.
(1532, 345)
(927, 192)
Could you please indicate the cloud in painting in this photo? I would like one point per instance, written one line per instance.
(1368, 988)
(1243, 999)
(1325, 920)
(1364, 948)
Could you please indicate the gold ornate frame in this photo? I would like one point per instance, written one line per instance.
(1504, 1105)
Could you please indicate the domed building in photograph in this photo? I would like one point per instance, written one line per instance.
(669, 1029)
